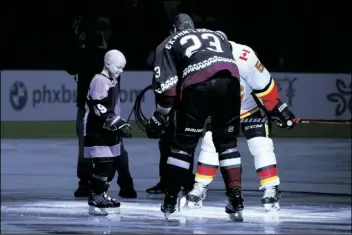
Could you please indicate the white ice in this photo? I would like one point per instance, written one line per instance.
(38, 178)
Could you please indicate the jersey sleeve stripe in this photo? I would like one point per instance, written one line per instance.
(250, 112)
(267, 89)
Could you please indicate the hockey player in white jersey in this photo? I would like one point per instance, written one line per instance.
(255, 81)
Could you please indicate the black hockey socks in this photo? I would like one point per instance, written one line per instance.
(102, 169)
(164, 150)
(177, 170)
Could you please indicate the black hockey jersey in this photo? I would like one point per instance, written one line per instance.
(190, 57)
(103, 101)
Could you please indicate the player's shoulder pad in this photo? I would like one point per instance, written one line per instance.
(222, 35)
(100, 80)
(245, 53)
(99, 87)
(162, 45)
(239, 47)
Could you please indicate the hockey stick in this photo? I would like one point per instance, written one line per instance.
(301, 120)
(141, 119)
(321, 121)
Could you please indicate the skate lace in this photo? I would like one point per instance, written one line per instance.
(198, 189)
(269, 191)
(98, 198)
(102, 198)
(108, 198)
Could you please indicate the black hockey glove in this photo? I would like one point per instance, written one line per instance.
(118, 124)
(156, 125)
(283, 116)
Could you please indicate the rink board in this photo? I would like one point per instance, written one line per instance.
(68, 130)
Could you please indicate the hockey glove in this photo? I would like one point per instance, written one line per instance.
(283, 115)
(156, 125)
(118, 124)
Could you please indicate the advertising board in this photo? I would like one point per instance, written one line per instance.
(51, 95)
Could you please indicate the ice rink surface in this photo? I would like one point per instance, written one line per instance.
(38, 178)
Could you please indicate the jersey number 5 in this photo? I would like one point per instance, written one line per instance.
(214, 43)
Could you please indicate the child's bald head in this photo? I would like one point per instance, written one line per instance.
(114, 63)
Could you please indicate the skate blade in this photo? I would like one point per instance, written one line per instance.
(114, 210)
(181, 203)
(98, 211)
(272, 207)
(155, 195)
(166, 215)
(236, 217)
(194, 205)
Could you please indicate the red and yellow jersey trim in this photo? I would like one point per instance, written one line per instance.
(249, 113)
(269, 95)
(269, 88)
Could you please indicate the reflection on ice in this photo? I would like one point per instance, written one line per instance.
(144, 216)
(37, 169)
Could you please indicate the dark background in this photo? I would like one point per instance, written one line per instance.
(300, 36)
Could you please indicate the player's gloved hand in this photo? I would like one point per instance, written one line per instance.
(156, 125)
(118, 124)
(283, 116)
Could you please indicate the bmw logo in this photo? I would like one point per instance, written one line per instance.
(18, 95)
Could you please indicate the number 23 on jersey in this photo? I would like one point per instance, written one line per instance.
(211, 41)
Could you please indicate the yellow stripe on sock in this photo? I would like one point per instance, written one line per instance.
(267, 180)
(203, 177)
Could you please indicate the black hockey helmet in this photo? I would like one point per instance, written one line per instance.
(181, 22)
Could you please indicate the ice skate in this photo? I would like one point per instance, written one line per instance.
(234, 204)
(182, 199)
(271, 198)
(100, 203)
(156, 190)
(169, 205)
(196, 196)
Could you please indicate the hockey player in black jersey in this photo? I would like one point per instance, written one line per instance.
(104, 130)
(195, 74)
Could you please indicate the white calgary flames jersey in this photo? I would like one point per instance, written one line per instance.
(254, 77)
